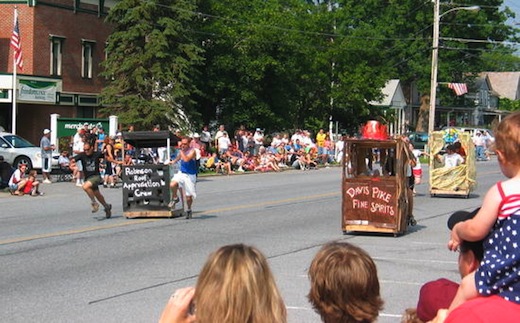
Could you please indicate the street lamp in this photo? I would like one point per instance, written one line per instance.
(435, 57)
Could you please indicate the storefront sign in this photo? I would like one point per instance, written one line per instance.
(37, 91)
(69, 126)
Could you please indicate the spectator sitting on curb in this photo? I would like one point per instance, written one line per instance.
(266, 161)
(249, 162)
(236, 158)
(18, 180)
(31, 187)
(223, 165)
(438, 294)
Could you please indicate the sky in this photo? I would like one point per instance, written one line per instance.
(515, 6)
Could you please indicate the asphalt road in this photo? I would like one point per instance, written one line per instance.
(61, 263)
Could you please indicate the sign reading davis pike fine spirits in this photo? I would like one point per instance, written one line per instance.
(37, 91)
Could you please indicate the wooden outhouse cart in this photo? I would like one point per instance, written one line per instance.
(375, 186)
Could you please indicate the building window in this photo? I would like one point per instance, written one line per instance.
(56, 54)
(87, 59)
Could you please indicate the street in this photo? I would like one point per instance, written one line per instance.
(61, 263)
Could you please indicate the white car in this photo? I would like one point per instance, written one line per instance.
(17, 150)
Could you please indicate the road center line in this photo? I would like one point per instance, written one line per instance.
(141, 221)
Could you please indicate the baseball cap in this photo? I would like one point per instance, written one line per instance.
(461, 216)
(46, 131)
(433, 296)
(196, 135)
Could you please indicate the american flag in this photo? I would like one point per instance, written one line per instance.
(16, 43)
(459, 88)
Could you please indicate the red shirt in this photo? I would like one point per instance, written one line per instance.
(485, 309)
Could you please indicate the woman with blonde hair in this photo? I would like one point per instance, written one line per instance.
(234, 286)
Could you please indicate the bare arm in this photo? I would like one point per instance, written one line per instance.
(110, 155)
(187, 156)
(477, 228)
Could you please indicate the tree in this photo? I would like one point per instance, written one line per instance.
(280, 64)
(150, 63)
(286, 64)
(509, 105)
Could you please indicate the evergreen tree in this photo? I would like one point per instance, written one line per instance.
(150, 62)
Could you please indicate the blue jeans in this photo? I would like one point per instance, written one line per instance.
(480, 153)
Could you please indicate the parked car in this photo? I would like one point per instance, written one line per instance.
(418, 139)
(17, 150)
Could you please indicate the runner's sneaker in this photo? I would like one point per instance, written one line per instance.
(173, 202)
(188, 214)
(108, 211)
(95, 207)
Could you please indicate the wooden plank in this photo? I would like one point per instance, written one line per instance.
(149, 214)
(449, 192)
(369, 228)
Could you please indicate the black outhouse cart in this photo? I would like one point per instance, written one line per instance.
(146, 191)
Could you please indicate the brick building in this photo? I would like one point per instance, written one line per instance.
(63, 43)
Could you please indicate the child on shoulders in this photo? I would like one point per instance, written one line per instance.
(498, 221)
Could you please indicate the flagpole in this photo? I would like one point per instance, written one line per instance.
(13, 122)
(13, 112)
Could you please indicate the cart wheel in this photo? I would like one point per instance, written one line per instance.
(412, 221)
(396, 235)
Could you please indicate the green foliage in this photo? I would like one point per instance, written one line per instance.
(150, 60)
(509, 105)
(286, 64)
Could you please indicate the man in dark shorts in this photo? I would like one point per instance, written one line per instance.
(90, 160)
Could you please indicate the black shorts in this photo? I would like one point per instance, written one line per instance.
(411, 182)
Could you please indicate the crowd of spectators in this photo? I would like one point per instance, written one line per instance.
(254, 151)
(224, 153)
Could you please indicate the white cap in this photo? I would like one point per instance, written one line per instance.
(46, 131)
(196, 135)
